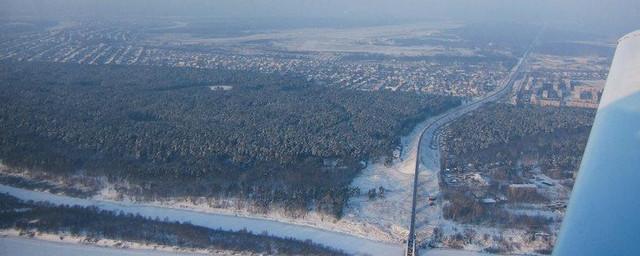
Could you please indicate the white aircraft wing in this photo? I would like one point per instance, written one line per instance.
(603, 217)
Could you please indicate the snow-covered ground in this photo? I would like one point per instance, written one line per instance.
(392, 213)
(10, 245)
(348, 243)
(352, 225)
(451, 252)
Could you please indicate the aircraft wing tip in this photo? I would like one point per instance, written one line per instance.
(630, 35)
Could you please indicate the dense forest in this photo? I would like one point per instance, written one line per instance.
(265, 138)
(98, 224)
(503, 133)
(509, 145)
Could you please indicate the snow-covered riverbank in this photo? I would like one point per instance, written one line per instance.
(36, 247)
(347, 243)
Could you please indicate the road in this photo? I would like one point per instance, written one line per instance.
(430, 131)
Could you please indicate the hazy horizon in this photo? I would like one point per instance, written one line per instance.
(611, 17)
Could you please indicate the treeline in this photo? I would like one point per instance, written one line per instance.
(264, 140)
(99, 224)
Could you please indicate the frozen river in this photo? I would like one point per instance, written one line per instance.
(345, 242)
(33, 247)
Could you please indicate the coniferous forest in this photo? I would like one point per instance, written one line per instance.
(266, 138)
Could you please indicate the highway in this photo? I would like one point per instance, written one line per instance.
(449, 116)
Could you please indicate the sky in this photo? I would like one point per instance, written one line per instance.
(613, 15)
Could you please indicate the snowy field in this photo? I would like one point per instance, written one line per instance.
(391, 214)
